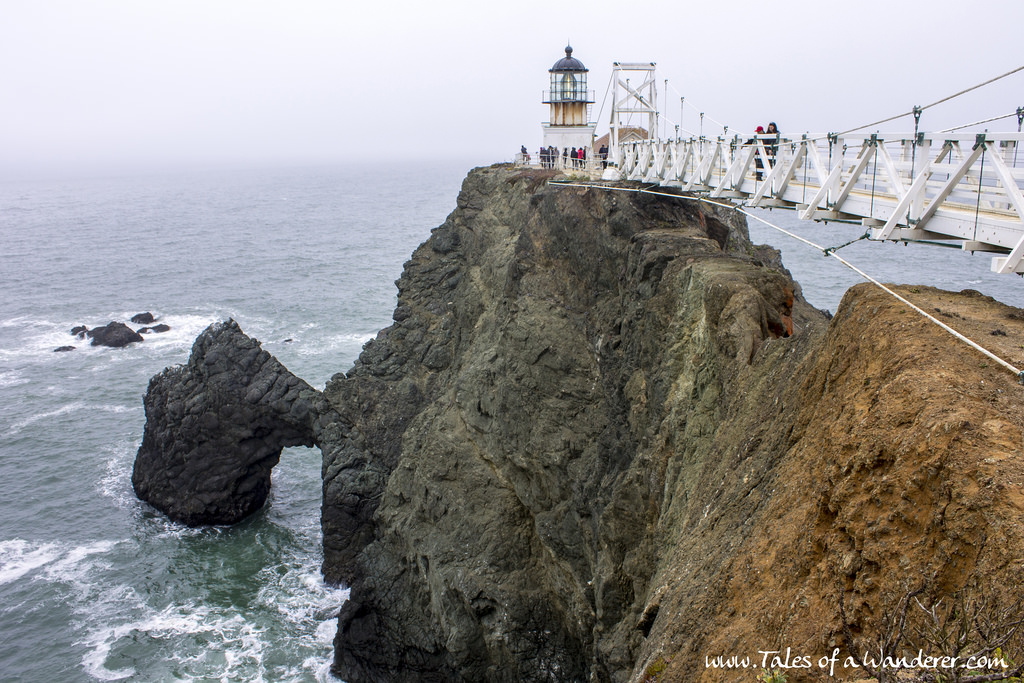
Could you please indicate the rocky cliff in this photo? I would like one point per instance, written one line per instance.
(605, 438)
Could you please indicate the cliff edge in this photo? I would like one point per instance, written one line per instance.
(615, 440)
(550, 347)
(606, 439)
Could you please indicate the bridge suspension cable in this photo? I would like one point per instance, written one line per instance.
(978, 123)
(935, 103)
(688, 103)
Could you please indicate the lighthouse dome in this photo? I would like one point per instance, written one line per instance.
(568, 62)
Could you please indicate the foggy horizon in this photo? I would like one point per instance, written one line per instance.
(120, 85)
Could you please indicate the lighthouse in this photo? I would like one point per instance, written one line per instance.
(568, 103)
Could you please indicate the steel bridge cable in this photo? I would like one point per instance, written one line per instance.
(605, 98)
(697, 109)
(974, 87)
(936, 102)
(865, 236)
(898, 116)
(978, 123)
(825, 251)
(920, 109)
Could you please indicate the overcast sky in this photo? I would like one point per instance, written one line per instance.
(87, 82)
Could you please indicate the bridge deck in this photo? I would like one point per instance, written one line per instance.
(960, 188)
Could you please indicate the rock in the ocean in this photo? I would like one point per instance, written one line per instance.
(156, 328)
(60, 349)
(143, 318)
(80, 331)
(113, 334)
(216, 427)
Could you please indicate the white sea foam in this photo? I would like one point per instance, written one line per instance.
(71, 567)
(300, 595)
(37, 337)
(10, 378)
(117, 409)
(116, 480)
(93, 663)
(67, 409)
(19, 321)
(321, 669)
(32, 419)
(19, 557)
(185, 327)
(219, 646)
(326, 631)
(348, 343)
(57, 561)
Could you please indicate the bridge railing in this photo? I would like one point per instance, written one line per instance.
(592, 165)
(960, 187)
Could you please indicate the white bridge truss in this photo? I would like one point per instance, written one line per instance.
(951, 188)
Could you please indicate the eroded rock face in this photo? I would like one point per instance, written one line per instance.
(509, 421)
(216, 427)
(606, 436)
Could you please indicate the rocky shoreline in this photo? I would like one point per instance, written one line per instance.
(116, 334)
(606, 437)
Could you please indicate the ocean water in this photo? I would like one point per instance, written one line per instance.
(95, 585)
(824, 280)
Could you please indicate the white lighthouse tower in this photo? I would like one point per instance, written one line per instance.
(569, 106)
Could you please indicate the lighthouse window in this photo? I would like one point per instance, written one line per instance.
(569, 87)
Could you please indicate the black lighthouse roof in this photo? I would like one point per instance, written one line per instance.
(568, 62)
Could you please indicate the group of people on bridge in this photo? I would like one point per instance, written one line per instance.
(771, 147)
(571, 158)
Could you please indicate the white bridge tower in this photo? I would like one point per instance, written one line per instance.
(629, 99)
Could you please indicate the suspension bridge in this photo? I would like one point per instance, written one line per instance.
(953, 189)
(946, 187)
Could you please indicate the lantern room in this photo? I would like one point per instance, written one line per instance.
(568, 97)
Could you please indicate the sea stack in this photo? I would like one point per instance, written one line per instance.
(215, 428)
